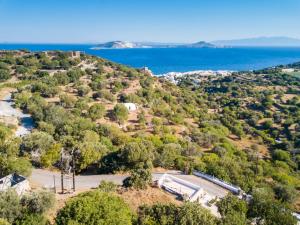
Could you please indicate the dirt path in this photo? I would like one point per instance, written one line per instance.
(12, 116)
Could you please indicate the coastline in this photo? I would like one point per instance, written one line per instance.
(165, 60)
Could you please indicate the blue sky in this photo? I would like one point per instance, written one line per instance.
(80, 21)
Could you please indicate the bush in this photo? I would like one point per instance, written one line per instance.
(33, 219)
(194, 213)
(285, 193)
(139, 179)
(38, 202)
(95, 207)
(107, 186)
(96, 111)
(281, 156)
(67, 101)
(157, 214)
(168, 154)
(83, 90)
(264, 207)
(188, 214)
(18, 165)
(27, 210)
(120, 113)
(4, 75)
(10, 208)
(232, 210)
(61, 78)
(51, 156)
(90, 152)
(37, 142)
(105, 94)
(137, 155)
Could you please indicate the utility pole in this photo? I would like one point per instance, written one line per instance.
(62, 171)
(54, 185)
(73, 167)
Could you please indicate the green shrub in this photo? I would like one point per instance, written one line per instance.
(232, 210)
(93, 208)
(33, 219)
(188, 214)
(4, 75)
(281, 156)
(10, 207)
(107, 186)
(38, 202)
(96, 111)
(120, 113)
(51, 156)
(139, 179)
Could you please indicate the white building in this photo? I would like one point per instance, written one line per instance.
(14, 181)
(131, 107)
(189, 192)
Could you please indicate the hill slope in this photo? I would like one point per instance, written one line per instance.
(242, 128)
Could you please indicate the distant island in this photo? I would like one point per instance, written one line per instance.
(128, 45)
(247, 42)
(261, 42)
(117, 45)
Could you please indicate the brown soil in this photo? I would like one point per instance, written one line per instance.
(133, 88)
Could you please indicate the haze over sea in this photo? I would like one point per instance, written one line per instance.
(163, 60)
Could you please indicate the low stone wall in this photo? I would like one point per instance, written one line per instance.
(234, 189)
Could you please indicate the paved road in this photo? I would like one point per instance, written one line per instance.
(208, 186)
(45, 178)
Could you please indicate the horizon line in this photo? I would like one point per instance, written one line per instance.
(154, 42)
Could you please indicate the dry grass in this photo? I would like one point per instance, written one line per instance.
(287, 97)
(246, 143)
(150, 196)
(133, 88)
(275, 88)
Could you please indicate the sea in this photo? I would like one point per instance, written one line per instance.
(164, 60)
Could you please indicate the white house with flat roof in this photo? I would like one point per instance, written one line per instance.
(189, 191)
